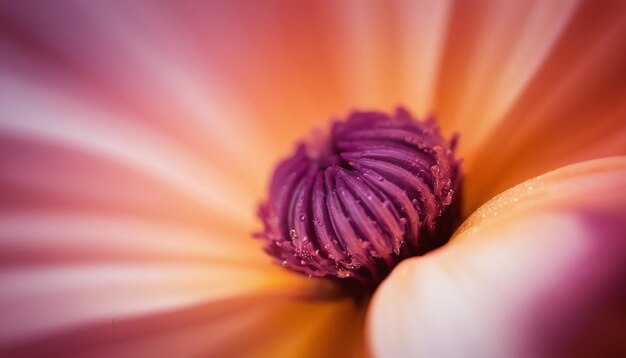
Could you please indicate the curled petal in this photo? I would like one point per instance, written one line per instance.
(537, 271)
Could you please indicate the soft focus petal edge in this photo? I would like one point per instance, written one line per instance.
(536, 271)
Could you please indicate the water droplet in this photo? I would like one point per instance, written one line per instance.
(285, 262)
(306, 238)
(402, 221)
(293, 234)
(303, 218)
(343, 273)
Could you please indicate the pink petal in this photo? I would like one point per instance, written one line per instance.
(537, 271)
(38, 301)
(129, 176)
(256, 325)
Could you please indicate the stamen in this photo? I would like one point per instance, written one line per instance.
(382, 188)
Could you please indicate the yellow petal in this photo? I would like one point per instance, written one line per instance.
(537, 271)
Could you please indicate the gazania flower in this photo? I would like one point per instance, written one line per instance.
(139, 138)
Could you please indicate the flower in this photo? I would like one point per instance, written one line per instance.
(137, 138)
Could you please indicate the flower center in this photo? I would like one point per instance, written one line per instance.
(381, 188)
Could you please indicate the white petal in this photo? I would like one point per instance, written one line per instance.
(525, 276)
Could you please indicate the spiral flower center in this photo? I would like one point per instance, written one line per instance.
(381, 188)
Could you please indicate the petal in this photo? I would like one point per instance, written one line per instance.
(537, 271)
(270, 325)
(492, 50)
(129, 174)
(570, 108)
(110, 83)
(64, 121)
(92, 292)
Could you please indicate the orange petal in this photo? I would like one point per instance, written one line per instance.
(570, 109)
(267, 325)
(41, 300)
(537, 271)
(492, 51)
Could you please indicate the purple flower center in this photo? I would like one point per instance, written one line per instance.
(381, 188)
